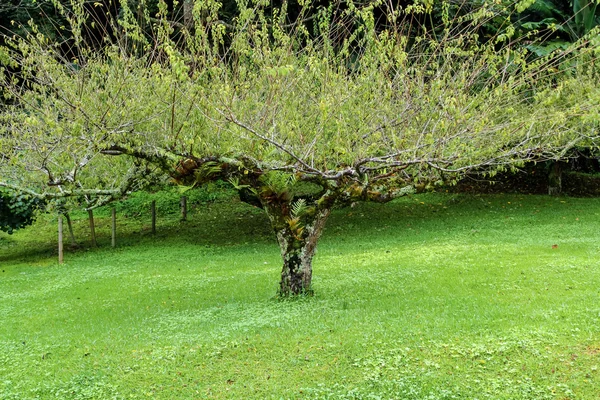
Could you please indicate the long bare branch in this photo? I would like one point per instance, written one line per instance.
(230, 117)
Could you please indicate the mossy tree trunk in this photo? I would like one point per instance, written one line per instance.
(297, 237)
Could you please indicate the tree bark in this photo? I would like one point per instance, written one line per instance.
(555, 179)
(71, 234)
(183, 206)
(298, 244)
(113, 230)
(188, 16)
(60, 239)
(92, 228)
(153, 212)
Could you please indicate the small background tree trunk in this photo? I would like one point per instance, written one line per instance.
(70, 227)
(113, 235)
(92, 227)
(183, 205)
(153, 211)
(188, 16)
(60, 239)
(555, 179)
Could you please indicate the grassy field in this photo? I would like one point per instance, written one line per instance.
(429, 297)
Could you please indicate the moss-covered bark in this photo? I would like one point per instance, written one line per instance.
(297, 237)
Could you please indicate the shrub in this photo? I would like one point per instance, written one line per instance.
(17, 210)
(167, 198)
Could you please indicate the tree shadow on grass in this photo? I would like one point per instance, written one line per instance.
(30, 252)
(232, 223)
(223, 224)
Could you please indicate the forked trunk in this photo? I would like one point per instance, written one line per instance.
(298, 243)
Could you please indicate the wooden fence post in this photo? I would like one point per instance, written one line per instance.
(92, 228)
(153, 211)
(60, 239)
(113, 241)
(183, 204)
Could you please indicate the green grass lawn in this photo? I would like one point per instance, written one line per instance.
(429, 297)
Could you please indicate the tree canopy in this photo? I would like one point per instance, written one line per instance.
(298, 120)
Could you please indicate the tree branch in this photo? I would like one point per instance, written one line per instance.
(230, 117)
(63, 193)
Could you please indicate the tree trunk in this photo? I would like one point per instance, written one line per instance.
(60, 239)
(113, 230)
(71, 234)
(555, 179)
(298, 243)
(188, 16)
(92, 228)
(153, 212)
(183, 206)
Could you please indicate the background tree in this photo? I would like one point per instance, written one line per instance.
(558, 25)
(17, 210)
(298, 121)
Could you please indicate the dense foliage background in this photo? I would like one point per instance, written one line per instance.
(17, 210)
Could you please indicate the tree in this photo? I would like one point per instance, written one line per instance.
(561, 24)
(299, 122)
(17, 210)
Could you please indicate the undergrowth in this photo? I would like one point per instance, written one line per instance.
(167, 199)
